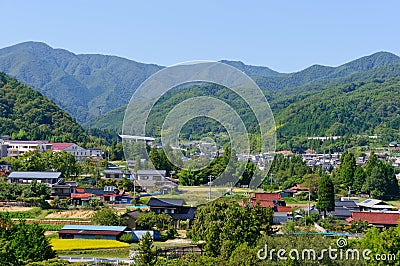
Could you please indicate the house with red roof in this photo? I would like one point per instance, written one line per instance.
(282, 213)
(92, 232)
(79, 153)
(273, 200)
(82, 196)
(378, 219)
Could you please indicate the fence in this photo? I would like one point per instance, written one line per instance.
(177, 252)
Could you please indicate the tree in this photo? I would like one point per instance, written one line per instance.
(326, 195)
(380, 181)
(7, 254)
(248, 173)
(42, 161)
(224, 225)
(359, 178)
(107, 216)
(147, 256)
(155, 158)
(311, 181)
(36, 189)
(64, 162)
(382, 242)
(347, 168)
(29, 243)
(151, 220)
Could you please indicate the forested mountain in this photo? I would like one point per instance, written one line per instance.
(26, 114)
(356, 97)
(83, 85)
(90, 85)
(370, 107)
(355, 104)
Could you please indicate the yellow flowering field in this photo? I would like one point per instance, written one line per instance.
(71, 244)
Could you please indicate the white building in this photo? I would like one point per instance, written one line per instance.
(79, 153)
(154, 175)
(17, 147)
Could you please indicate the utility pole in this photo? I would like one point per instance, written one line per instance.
(209, 195)
(270, 179)
(134, 185)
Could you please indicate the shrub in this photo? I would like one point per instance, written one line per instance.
(171, 232)
(127, 238)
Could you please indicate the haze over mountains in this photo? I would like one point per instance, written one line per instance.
(88, 86)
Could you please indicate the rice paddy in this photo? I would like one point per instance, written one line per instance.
(73, 244)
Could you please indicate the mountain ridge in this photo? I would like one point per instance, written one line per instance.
(90, 85)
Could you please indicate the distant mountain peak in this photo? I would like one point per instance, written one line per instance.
(252, 71)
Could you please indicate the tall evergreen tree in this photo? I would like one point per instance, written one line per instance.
(359, 178)
(347, 168)
(326, 195)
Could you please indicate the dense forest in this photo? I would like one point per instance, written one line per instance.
(26, 114)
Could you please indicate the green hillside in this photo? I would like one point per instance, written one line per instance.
(355, 98)
(88, 86)
(363, 107)
(353, 104)
(26, 114)
(83, 85)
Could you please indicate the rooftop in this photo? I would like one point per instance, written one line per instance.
(130, 137)
(375, 204)
(184, 214)
(113, 172)
(94, 228)
(377, 218)
(59, 146)
(89, 232)
(267, 196)
(152, 172)
(35, 175)
(26, 142)
(157, 202)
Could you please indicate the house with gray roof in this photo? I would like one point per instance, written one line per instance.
(374, 205)
(41, 177)
(174, 208)
(155, 175)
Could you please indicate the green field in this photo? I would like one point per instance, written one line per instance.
(197, 195)
(97, 253)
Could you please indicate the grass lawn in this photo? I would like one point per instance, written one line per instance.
(97, 253)
(197, 195)
(74, 244)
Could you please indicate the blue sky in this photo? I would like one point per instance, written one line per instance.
(283, 35)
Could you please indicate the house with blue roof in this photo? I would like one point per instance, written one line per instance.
(92, 232)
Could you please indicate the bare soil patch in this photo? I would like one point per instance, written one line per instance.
(75, 214)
